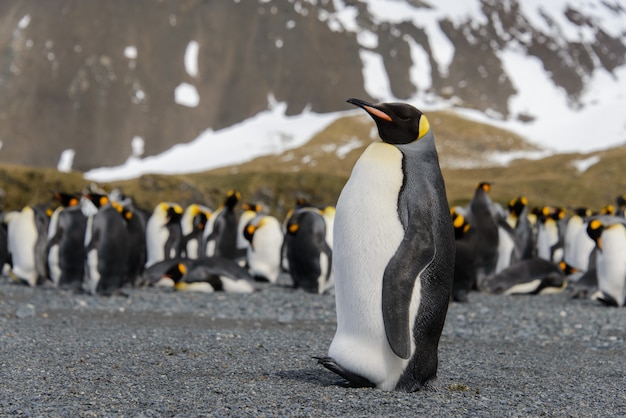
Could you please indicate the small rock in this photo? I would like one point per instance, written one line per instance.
(25, 311)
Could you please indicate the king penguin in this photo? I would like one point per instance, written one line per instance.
(609, 235)
(485, 235)
(265, 238)
(394, 257)
(24, 233)
(163, 232)
(222, 237)
(66, 236)
(106, 247)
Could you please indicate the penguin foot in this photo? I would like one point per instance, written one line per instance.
(355, 379)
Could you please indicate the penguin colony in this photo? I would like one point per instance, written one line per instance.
(98, 243)
(522, 250)
(392, 250)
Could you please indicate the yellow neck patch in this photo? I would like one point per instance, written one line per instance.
(424, 127)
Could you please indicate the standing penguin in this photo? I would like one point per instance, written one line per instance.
(308, 255)
(66, 242)
(394, 257)
(250, 211)
(609, 235)
(485, 233)
(464, 268)
(265, 238)
(223, 234)
(193, 223)
(518, 219)
(24, 238)
(163, 233)
(106, 247)
(549, 243)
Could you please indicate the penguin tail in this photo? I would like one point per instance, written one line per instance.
(354, 379)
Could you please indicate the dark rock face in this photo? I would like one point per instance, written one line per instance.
(67, 79)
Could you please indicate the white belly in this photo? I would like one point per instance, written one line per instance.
(367, 232)
(611, 263)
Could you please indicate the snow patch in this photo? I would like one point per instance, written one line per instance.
(374, 75)
(137, 145)
(66, 161)
(130, 52)
(584, 164)
(348, 147)
(187, 95)
(191, 58)
(270, 131)
(24, 22)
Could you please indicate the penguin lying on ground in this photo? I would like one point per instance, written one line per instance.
(394, 257)
(532, 276)
(213, 274)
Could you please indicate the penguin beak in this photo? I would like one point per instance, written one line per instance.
(370, 108)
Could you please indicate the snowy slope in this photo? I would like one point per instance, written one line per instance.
(596, 120)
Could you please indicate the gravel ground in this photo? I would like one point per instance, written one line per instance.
(156, 352)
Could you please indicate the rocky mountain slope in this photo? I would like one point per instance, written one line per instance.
(92, 76)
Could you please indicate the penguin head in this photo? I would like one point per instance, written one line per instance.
(621, 201)
(608, 210)
(254, 207)
(66, 200)
(517, 206)
(581, 212)
(176, 272)
(594, 230)
(199, 221)
(232, 197)
(174, 213)
(461, 226)
(484, 186)
(398, 123)
(98, 199)
(567, 269)
(248, 232)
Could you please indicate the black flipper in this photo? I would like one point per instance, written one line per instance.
(412, 256)
(354, 379)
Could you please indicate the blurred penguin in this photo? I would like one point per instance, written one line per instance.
(213, 274)
(250, 211)
(193, 224)
(480, 215)
(523, 230)
(223, 234)
(621, 205)
(25, 233)
(464, 262)
(577, 246)
(66, 242)
(265, 238)
(106, 247)
(308, 254)
(163, 233)
(549, 242)
(609, 235)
